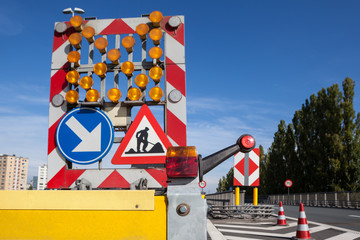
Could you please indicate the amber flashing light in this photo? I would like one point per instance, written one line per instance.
(92, 95)
(127, 68)
(73, 57)
(128, 43)
(113, 55)
(155, 35)
(142, 29)
(134, 94)
(156, 73)
(86, 82)
(101, 44)
(114, 94)
(76, 21)
(72, 96)
(156, 17)
(155, 53)
(73, 77)
(75, 40)
(100, 69)
(88, 33)
(156, 94)
(141, 80)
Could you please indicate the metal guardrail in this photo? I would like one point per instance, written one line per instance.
(241, 211)
(322, 199)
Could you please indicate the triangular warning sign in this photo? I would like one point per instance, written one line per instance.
(144, 143)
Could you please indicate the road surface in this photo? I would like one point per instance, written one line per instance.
(324, 223)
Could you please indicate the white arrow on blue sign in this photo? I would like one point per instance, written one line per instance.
(84, 135)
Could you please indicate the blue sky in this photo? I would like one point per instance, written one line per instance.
(249, 64)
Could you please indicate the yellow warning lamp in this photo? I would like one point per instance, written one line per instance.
(156, 94)
(156, 17)
(100, 69)
(155, 35)
(92, 95)
(134, 94)
(155, 53)
(88, 33)
(128, 42)
(114, 95)
(75, 40)
(72, 96)
(127, 68)
(141, 80)
(142, 29)
(73, 57)
(76, 21)
(73, 77)
(101, 44)
(156, 73)
(113, 55)
(86, 82)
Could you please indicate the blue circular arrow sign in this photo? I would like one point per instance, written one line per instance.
(84, 135)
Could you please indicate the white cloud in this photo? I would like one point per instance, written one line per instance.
(26, 136)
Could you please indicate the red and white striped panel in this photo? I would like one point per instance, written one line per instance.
(175, 114)
(175, 79)
(108, 178)
(247, 174)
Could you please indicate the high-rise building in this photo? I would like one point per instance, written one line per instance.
(13, 172)
(42, 177)
(34, 182)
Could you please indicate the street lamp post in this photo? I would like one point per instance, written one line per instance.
(71, 11)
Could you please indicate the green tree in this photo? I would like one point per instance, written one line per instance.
(226, 182)
(349, 157)
(276, 170)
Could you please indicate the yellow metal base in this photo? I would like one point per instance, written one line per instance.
(64, 220)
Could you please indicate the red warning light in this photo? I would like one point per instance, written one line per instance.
(246, 143)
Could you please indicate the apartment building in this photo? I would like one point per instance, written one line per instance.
(13, 172)
(42, 177)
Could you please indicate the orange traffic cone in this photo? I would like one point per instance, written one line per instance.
(281, 220)
(302, 231)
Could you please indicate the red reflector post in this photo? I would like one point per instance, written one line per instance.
(246, 143)
(181, 162)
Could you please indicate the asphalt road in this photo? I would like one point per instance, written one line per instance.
(339, 217)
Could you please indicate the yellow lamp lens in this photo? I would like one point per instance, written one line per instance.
(73, 77)
(114, 94)
(156, 17)
(155, 34)
(92, 95)
(100, 69)
(72, 96)
(156, 73)
(141, 81)
(156, 94)
(155, 52)
(134, 94)
(75, 38)
(113, 55)
(76, 21)
(101, 43)
(88, 32)
(127, 68)
(86, 82)
(73, 56)
(142, 29)
(128, 42)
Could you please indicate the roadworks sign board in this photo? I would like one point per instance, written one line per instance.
(246, 168)
(84, 135)
(144, 143)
